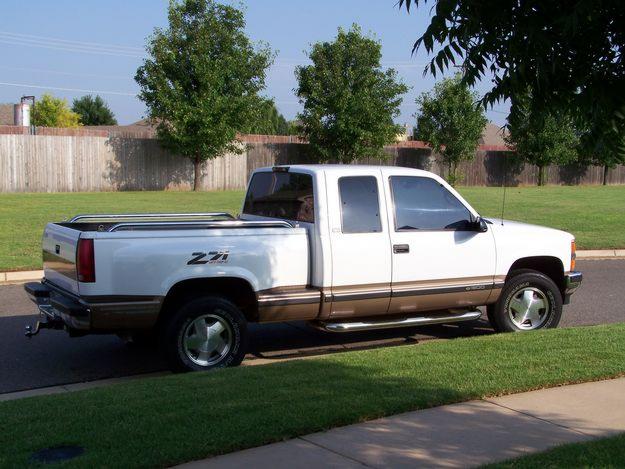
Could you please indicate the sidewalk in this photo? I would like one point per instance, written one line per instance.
(459, 435)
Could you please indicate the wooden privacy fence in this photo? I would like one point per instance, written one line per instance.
(68, 163)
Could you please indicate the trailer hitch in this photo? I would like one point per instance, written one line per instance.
(31, 331)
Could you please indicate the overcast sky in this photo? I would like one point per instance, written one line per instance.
(72, 48)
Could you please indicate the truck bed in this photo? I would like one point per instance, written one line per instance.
(140, 253)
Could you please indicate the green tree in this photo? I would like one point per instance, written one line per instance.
(349, 101)
(568, 53)
(542, 140)
(54, 112)
(202, 79)
(601, 151)
(270, 121)
(93, 111)
(449, 120)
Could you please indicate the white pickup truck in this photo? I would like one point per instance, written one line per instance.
(345, 247)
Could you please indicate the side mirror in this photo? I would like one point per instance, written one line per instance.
(478, 224)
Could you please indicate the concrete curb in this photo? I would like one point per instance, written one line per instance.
(20, 276)
(65, 388)
(32, 275)
(602, 254)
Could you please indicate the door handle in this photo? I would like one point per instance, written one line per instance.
(401, 248)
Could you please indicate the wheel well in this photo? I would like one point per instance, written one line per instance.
(550, 266)
(237, 290)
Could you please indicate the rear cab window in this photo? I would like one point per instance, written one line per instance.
(281, 194)
(360, 204)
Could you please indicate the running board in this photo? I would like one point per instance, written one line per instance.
(402, 322)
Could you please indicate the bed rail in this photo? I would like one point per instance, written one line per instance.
(148, 216)
(197, 225)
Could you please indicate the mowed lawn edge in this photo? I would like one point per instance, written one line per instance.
(594, 214)
(602, 452)
(162, 421)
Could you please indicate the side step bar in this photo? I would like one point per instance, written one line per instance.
(400, 322)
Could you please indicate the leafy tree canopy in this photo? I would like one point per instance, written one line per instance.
(54, 112)
(449, 120)
(568, 53)
(201, 80)
(550, 139)
(349, 101)
(600, 150)
(93, 111)
(270, 121)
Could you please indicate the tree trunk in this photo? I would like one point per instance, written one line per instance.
(197, 172)
(605, 175)
(451, 173)
(541, 175)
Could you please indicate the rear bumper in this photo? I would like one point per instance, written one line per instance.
(57, 305)
(572, 282)
(101, 314)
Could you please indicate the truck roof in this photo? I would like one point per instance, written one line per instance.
(349, 169)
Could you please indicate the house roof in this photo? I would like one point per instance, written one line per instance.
(492, 135)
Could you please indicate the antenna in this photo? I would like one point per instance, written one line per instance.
(505, 174)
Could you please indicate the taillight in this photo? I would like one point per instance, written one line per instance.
(573, 255)
(85, 261)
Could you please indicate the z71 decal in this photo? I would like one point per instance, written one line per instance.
(213, 257)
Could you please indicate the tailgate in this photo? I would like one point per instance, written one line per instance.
(59, 256)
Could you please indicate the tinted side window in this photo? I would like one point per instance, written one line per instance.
(424, 204)
(281, 195)
(360, 205)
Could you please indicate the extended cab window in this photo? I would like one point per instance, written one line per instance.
(281, 195)
(360, 207)
(424, 204)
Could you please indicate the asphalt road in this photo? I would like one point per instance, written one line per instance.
(53, 358)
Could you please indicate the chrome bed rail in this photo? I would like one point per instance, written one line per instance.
(198, 225)
(120, 216)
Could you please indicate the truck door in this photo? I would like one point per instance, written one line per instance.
(439, 260)
(361, 256)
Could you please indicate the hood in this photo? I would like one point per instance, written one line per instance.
(515, 240)
(510, 226)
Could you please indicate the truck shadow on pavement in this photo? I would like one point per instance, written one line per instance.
(52, 358)
(293, 339)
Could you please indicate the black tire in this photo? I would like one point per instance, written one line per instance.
(490, 312)
(181, 326)
(539, 287)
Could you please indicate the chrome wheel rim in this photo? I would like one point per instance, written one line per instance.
(207, 340)
(529, 308)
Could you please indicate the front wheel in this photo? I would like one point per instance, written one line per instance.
(529, 300)
(205, 333)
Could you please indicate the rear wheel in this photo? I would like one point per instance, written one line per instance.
(205, 333)
(529, 300)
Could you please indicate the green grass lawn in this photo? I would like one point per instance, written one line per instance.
(24, 216)
(594, 214)
(162, 421)
(602, 453)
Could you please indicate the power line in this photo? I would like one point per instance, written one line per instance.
(69, 49)
(74, 74)
(71, 42)
(79, 90)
